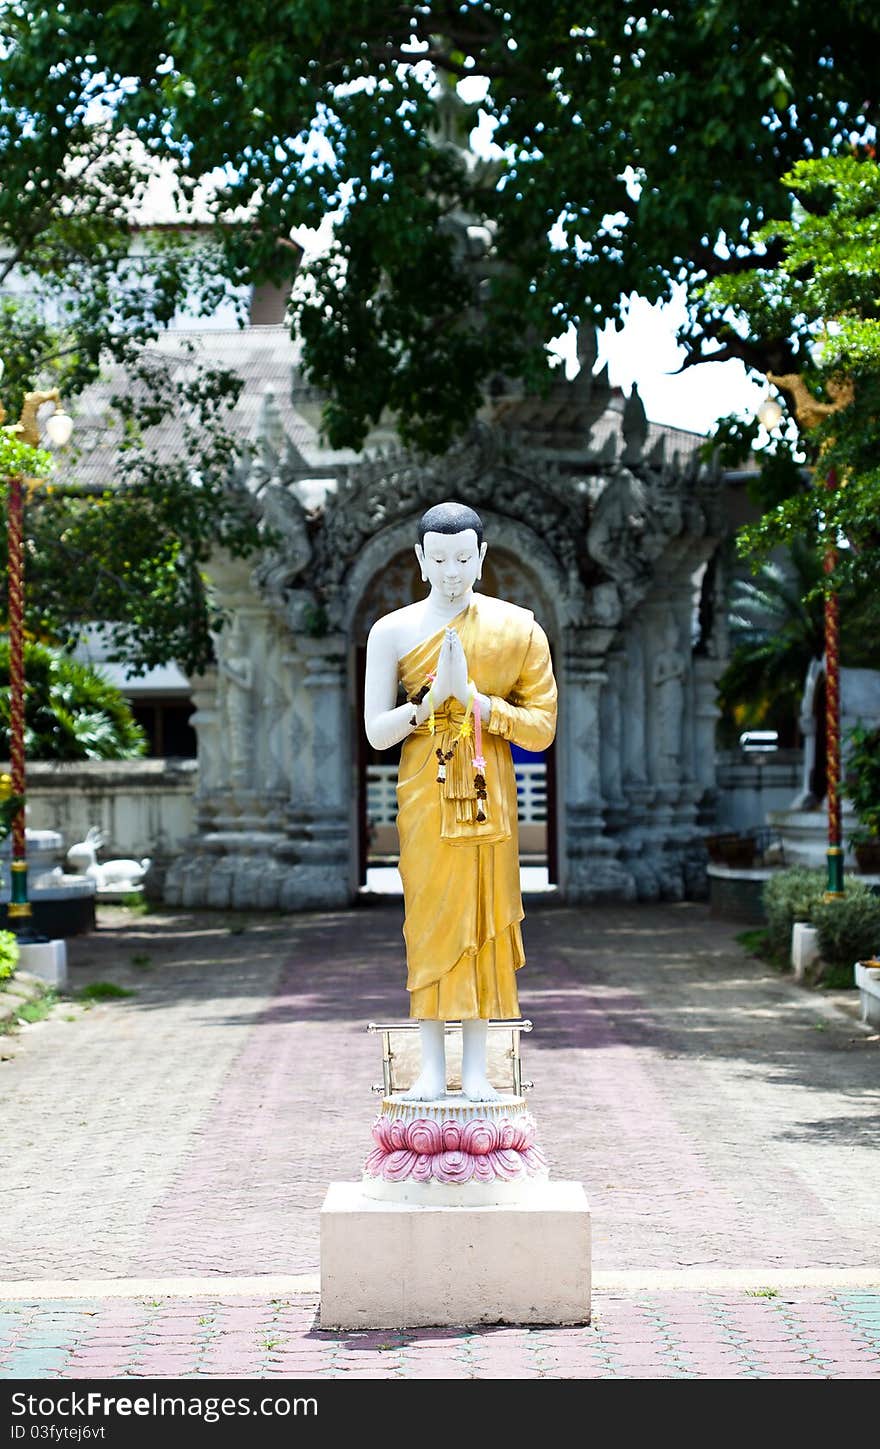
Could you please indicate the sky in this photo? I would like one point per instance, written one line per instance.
(645, 352)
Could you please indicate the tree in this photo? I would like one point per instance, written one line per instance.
(97, 291)
(816, 288)
(135, 555)
(636, 147)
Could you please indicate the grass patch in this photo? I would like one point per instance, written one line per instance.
(762, 1292)
(103, 991)
(837, 978)
(758, 941)
(142, 960)
(754, 940)
(134, 901)
(30, 1011)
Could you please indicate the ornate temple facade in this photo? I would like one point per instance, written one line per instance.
(606, 526)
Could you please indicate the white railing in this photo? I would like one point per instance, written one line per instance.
(531, 794)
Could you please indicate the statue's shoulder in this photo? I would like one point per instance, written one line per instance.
(393, 627)
(500, 611)
(389, 623)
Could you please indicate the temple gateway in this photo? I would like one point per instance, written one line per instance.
(604, 524)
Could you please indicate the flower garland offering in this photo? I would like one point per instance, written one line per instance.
(479, 763)
(471, 724)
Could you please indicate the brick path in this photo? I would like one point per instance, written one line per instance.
(720, 1117)
(798, 1334)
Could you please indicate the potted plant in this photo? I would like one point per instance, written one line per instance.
(862, 786)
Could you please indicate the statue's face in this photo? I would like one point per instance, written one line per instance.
(451, 562)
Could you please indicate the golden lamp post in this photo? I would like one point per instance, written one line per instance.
(58, 428)
(809, 413)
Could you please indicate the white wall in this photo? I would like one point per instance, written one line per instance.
(144, 807)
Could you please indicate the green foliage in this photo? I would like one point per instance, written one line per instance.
(788, 896)
(134, 901)
(647, 162)
(10, 804)
(19, 457)
(776, 629)
(810, 304)
(862, 781)
(135, 555)
(9, 954)
(39, 1008)
(102, 290)
(103, 991)
(849, 929)
(71, 711)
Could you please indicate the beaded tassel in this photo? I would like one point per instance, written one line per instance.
(442, 761)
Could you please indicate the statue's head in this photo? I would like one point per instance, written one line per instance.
(451, 549)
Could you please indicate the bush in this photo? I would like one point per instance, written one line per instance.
(849, 929)
(791, 895)
(71, 711)
(8, 955)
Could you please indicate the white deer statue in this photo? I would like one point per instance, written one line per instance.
(110, 876)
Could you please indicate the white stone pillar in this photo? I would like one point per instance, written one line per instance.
(318, 851)
(638, 844)
(206, 723)
(590, 870)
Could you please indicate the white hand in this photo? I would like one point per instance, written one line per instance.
(458, 670)
(442, 679)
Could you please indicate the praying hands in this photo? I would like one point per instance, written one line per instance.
(451, 679)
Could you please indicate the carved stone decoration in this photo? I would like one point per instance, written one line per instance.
(281, 566)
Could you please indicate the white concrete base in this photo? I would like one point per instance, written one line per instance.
(46, 959)
(868, 982)
(400, 1265)
(464, 1194)
(804, 948)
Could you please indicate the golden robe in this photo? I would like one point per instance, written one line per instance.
(461, 885)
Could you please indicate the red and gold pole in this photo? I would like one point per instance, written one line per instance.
(810, 413)
(19, 905)
(834, 883)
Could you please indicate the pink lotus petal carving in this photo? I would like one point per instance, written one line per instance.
(454, 1152)
(398, 1165)
(516, 1136)
(381, 1133)
(397, 1135)
(483, 1170)
(453, 1167)
(451, 1136)
(479, 1136)
(424, 1136)
(507, 1164)
(422, 1169)
(374, 1162)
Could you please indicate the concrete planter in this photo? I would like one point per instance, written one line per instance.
(804, 948)
(867, 977)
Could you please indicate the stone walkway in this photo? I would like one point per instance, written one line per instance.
(723, 1120)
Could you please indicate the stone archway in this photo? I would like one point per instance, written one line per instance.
(396, 584)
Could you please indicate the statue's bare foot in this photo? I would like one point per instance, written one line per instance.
(426, 1088)
(478, 1089)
